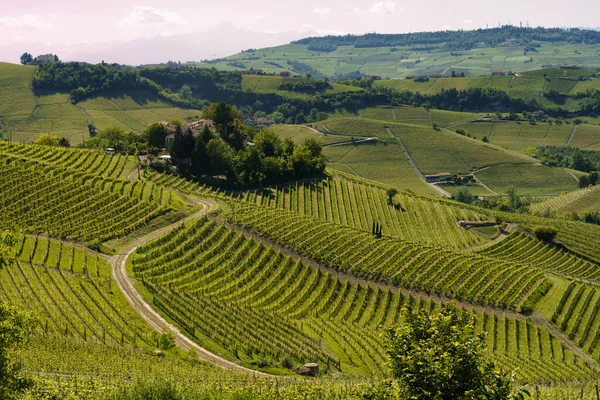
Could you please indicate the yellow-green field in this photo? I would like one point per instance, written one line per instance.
(270, 84)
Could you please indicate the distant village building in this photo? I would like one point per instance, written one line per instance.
(45, 58)
(195, 126)
(285, 74)
(436, 177)
(500, 73)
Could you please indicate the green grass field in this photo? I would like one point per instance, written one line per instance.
(440, 151)
(26, 114)
(299, 133)
(16, 97)
(528, 180)
(402, 61)
(586, 137)
(380, 162)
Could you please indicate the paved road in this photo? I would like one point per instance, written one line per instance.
(157, 322)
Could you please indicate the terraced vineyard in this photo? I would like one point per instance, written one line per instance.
(70, 291)
(454, 274)
(527, 250)
(313, 310)
(573, 202)
(350, 204)
(81, 161)
(577, 315)
(40, 199)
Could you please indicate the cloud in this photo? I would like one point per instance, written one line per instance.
(447, 27)
(357, 11)
(321, 10)
(151, 15)
(383, 7)
(468, 21)
(26, 21)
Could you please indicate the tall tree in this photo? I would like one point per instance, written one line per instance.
(14, 326)
(439, 356)
(26, 58)
(155, 135)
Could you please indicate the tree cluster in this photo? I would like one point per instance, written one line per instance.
(457, 40)
(242, 155)
(306, 85)
(569, 157)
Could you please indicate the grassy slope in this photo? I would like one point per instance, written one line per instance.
(528, 179)
(26, 114)
(402, 61)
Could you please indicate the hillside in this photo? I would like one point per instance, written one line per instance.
(473, 53)
(298, 261)
(26, 113)
(298, 226)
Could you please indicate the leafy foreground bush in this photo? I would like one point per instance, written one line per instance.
(439, 356)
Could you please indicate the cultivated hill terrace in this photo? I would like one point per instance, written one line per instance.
(165, 240)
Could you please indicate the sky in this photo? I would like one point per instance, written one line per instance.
(70, 22)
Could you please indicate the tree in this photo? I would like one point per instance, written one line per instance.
(391, 193)
(14, 327)
(201, 160)
(545, 233)
(92, 130)
(155, 135)
(185, 93)
(221, 157)
(439, 356)
(46, 139)
(26, 58)
(514, 201)
(223, 115)
(182, 149)
(114, 137)
(463, 195)
(268, 143)
(64, 142)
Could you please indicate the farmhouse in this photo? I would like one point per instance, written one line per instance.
(436, 177)
(195, 127)
(500, 73)
(45, 58)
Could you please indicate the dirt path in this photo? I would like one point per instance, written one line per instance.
(414, 166)
(483, 184)
(364, 282)
(89, 117)
(393, 114)
(571, 134)
(125, 283)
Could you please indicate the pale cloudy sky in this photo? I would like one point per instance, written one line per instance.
(69, 21)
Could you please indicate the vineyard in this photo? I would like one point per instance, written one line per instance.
(343, 202)
(71, 293)
(39, 199)
(577, 315)
(573, 202)
(79, 161)
(528, 250)
(182, 280)
(431, 269)
(332, 316)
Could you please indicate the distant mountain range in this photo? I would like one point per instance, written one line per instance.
(220, 41)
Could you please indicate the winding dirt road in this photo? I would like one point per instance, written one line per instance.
(125, 283)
